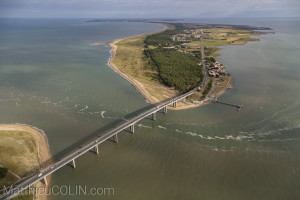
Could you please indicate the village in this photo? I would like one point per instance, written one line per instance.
(214, 68)
(187, 36)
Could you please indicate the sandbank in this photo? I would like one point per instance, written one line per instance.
(140, 87)
(43, 149)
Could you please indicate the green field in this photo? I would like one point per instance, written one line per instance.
(161, 64)
(220, 85)
(177, 69)
(19, 153)
(207, 43)
(131, 60)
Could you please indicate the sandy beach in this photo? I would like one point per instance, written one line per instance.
(228, 86)
(134, 82)
(143, 91)
(43, 148)
(139, 86)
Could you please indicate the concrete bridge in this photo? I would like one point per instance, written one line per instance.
(93, 145)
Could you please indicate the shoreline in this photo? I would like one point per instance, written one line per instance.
(148, 97)
(228, 86)
(139, 86)
(43, 149)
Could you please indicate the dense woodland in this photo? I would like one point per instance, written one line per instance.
(178, 64)
(162, 39)
(3, 172)
(176, 69)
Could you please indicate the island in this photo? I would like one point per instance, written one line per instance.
(167, 63)
(24, 152)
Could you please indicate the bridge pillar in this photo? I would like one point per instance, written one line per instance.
(73, 163)
(174, 104)
(154, 116)
(45, 180)
(132, 128)
(165, 110)
(96, 149)
(116, 138)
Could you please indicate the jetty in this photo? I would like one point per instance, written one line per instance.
(239, 107)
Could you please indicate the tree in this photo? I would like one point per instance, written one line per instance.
(177, 69)
(3, 172)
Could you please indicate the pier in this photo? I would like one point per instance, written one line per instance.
(92, 146)
(239, 107)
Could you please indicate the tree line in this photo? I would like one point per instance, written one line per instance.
(176, 69)
(207, 89)
(162, 39)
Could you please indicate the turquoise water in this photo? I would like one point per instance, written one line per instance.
(52, 78)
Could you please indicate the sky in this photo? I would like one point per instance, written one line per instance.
(179, 9)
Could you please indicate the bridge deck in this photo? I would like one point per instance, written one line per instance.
(69, 158)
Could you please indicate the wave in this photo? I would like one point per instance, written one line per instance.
(263, 133)
(227, 137)
(162, 127)
(279, 140)
(120, 74)
(144, 126)
(256, 135)
(102, 114)
(286, 113)
(7, 100)
(84, 108)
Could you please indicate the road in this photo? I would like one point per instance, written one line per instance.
(35, 178)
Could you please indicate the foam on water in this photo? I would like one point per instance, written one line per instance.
(162, 127)
(102, 114)
(143, 126)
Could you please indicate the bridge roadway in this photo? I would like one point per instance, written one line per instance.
(69, 158)
(94, 144)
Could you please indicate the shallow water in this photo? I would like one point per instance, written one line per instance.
(52, 78)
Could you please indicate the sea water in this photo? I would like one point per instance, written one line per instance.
(52, 77)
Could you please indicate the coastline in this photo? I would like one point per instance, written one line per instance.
(43, 149)
(138, 86)
(228, 86)
(141, 88)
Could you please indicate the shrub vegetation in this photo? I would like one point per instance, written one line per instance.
(176, 69)
(3, 172)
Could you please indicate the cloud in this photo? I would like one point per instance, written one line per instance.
(148, 8)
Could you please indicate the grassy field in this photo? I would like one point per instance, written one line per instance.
(130, 56)
(228, 36)
(130, 59)
(18, 147)
(207, 43)
(220, 84)
(19, 153)
(221, 37)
